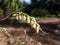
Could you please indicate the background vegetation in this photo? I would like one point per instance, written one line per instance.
(38, 8)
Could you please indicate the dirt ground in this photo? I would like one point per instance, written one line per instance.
(23, 34)
(19, 37)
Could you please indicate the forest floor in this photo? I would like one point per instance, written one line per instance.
(23, 34)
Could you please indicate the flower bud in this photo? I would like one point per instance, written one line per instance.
(28, 19)
(37, 28)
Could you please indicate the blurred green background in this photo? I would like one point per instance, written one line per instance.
(36, 8)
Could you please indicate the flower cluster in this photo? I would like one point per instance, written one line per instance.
(28, 19)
